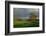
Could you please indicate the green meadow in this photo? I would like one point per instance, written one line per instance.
(25, 23)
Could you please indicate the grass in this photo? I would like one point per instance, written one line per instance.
(25, 23)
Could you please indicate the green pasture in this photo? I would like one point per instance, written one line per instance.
(25, 23)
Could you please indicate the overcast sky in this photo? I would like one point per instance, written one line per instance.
(25, 12)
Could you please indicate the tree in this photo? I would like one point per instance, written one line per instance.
(32, 16)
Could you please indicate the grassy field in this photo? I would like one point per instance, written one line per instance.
(25, 23)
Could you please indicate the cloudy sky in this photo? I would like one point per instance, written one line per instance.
(25, 12)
